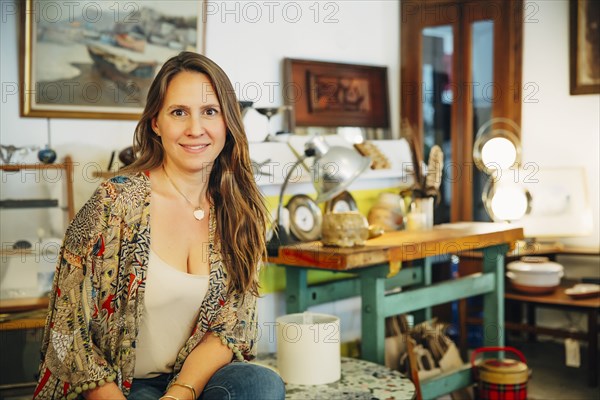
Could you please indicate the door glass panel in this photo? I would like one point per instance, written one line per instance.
(437, 101)
(484, 93)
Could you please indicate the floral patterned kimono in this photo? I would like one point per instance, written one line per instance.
(98, 296)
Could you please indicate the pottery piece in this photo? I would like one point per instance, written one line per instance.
(345, 229)
(47, 155)
(535, 274)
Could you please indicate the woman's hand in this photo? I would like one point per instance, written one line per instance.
(180, 393)
(108, 391)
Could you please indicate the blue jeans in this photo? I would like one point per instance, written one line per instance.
(234, 381)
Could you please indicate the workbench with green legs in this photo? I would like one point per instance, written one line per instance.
(376, 268)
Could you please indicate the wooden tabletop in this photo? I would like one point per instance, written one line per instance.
(400, 246)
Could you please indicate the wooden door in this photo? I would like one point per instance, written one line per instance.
(460, 66)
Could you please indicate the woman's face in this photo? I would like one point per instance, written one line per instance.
(190, 123)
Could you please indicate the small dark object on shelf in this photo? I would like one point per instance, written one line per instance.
(47, 155)
(22, 245)
(126, 156)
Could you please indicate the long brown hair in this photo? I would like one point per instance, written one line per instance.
(240, 211)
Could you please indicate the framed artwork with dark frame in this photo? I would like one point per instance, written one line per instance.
(584, 46)
(95, 59)
(328, 94)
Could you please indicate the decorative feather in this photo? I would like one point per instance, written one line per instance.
(434, 171)
(416, 151)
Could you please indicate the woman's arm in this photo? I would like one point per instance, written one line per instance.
(231, 332)
(108, 391)
(72, 362)
(200, 365)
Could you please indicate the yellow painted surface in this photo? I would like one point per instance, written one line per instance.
(272, 277)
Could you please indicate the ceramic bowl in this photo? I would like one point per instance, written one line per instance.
(583, 290)
(535, 274)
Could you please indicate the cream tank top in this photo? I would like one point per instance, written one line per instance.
(171, 303)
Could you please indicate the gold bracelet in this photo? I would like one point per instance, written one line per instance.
(168, 396)
(185, 385)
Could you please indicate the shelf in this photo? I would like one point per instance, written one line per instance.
(23, 304)
(24, 313)
(28, 203)
(27, 323)
(15, 252)
(18, 167)
(66, 165)
(540, 249)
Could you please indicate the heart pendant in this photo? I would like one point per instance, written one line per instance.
(199, 214)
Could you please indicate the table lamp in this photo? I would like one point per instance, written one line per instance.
(497, 152)
(334, 169)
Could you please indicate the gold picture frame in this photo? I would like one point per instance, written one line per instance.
(91, 59)
(584, 46)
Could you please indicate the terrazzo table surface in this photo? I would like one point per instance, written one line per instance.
(360, 380)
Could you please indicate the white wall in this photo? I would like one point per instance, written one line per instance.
(558, 129)
(365, 32)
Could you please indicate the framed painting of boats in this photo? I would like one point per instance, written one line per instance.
(91, 59)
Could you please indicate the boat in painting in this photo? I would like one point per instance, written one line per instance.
(130, 73)
(131, 42)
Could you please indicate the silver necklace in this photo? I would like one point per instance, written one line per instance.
(198, 211)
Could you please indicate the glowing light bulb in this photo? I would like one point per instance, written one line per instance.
(509, 203)
(499, 153)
